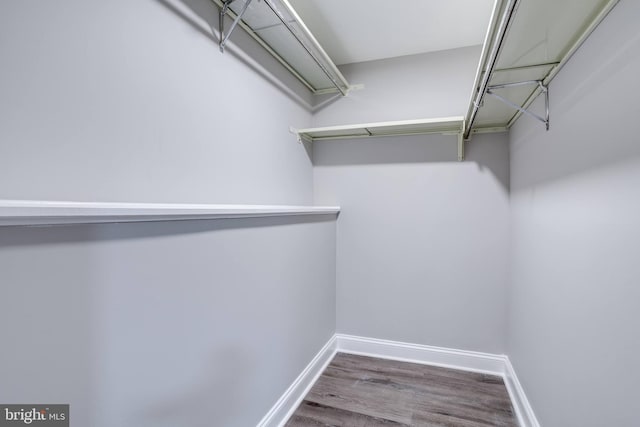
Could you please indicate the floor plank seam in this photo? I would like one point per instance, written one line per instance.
(363, 391)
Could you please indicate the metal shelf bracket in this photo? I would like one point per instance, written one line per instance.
(321, 77)
(539, 83)
(223, 12)
(461, 143)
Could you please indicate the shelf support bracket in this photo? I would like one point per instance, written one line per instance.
(301, 138)
(461, 147)
(223, 11)
(461, 143)
(543, 88)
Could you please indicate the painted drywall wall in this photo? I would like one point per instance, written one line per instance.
(122, 101)
(164, 324)
(422, 241)
(436, 84)
(574, 298)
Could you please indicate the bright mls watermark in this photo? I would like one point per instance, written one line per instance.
(34, 415)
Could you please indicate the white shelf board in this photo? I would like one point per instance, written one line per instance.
(276, 26)
(445, 125)
(35, 212)
(542, 37)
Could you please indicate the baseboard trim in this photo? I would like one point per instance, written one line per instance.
(521, 405)
(487, 363)
(425, 354)
(494, 364)
(289, 401)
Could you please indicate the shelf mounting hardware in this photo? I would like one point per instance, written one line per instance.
(489, 60)
(461, 143)
(313, 67)
(313, 56)
(541, 85)
(223, 12)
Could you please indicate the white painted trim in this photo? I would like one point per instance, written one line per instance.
(37, 212)
(444, 125)
(521, 405)
(487, 363)
(454, 121)
(425, 354)
(287, 404)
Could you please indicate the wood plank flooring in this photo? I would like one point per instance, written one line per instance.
(358, 391)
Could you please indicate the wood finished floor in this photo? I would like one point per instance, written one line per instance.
(358, 391)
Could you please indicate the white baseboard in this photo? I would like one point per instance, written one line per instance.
(429, 355)
(494, 364)
(287, 404)
(521, 405)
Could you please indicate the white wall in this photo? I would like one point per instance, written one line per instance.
(422, 239)
(165, 324)
(198, 322)
(420, 86)
(575, 299)
(132, 101)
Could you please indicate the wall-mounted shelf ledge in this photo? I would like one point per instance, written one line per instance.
(29, 212)
(276, 26)
(528, 43)
(443, 125)
(451, 125)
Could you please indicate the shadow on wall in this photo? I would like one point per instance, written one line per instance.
(36, 236)
(399, 149)
(488, 152)
(53, 342)
(151, 322)
(206, 22)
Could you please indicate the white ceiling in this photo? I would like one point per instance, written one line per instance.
(364, 30)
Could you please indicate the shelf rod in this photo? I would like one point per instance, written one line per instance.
(305, 47)
(526, 67)
(303, 27)
(514, 84)
(503, 28)
(486, 45)
(266, 47)
(267, 27)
